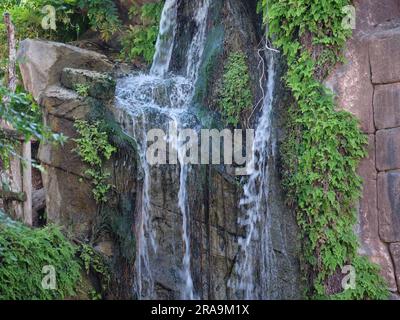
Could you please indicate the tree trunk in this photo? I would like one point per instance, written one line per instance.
(27, 181)
(12, 53)
(16, 179)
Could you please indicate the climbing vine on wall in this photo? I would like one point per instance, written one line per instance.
(94, 148)
(323, 147)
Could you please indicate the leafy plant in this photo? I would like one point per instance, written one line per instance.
(82, 89)
(139, 41)
(23, 115)
(94, 149)
(103, 16)
(235, 92)
(323, 148)
(23, 254)
(94, 262)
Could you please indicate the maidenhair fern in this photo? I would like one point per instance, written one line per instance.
(235, 91)
(323, 147)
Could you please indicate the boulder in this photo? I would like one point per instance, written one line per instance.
(41, 63)
(98, 85)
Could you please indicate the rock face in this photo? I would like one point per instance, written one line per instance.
(47, 60)
(369, 87)
(51, 72)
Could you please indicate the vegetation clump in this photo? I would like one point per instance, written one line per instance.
(235, 94)
(94, 148)
(323, 147)
(24, 255)
(139, 41)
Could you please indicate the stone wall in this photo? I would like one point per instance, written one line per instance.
(368, 86)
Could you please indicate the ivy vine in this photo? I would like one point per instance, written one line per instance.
(323, 148)
(94, 148)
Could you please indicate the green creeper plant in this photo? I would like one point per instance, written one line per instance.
(323, 147)
(139, 41)
(23, 115)
(94, 149)
(235, 94)
(23, 254)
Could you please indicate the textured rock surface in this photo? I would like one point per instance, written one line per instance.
(384, 53)
(389, 206)
(367, 85)
(395, 250)
(98, 85)
(69, 201)
(41, 63)
(388, 151)
(387, 106)
(372, 245)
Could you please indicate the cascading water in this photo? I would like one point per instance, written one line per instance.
(256, 266)
(165, 40)
(152, 101)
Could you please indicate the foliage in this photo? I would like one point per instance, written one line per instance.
(324, 147)
(82, 89)
(94, 149)
(103, 16)
(94, 262)
(139, 40)
(23, 254)
(23, 115)
(27, 17)
(235, 92)
(73, 17)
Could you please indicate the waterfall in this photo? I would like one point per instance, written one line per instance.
(165, 40)
(256, 266)
(152, 101)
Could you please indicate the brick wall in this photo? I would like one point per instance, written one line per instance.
(368, 86)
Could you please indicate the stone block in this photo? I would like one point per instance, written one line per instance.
(389, 206)
(388, 149)
(384, 53)
(387, 106)
(395, 251)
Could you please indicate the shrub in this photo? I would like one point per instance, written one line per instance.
(23, 254)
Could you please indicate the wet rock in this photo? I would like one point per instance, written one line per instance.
(106, 248)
